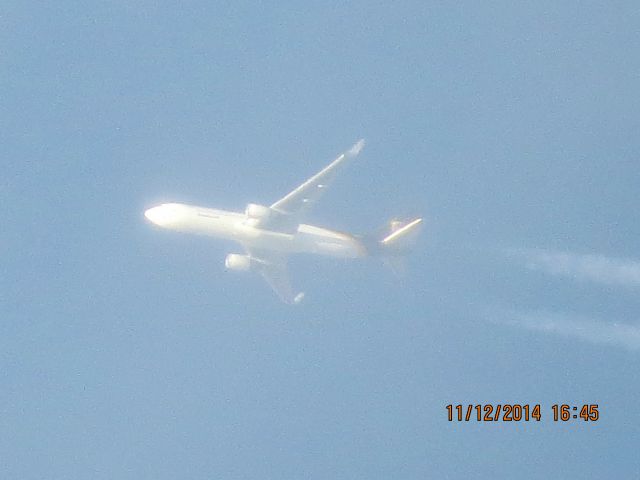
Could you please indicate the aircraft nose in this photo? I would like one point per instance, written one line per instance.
(149, 214)
(156, 215)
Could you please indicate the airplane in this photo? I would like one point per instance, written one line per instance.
(269, 234)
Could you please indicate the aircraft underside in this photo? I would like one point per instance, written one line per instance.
(270, 234)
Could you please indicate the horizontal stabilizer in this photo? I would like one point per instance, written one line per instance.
(403, 235)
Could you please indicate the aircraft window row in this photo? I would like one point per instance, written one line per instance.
(209, 215)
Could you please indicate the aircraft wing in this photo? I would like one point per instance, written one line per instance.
(302, 198)
(273, 268)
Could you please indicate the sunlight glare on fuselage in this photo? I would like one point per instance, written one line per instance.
(165, 214)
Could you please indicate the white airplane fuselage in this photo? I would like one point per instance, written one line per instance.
(270, 234)
(237, 227)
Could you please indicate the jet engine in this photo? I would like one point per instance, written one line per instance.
(237, 262)
(258, 212)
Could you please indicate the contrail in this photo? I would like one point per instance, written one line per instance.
(594, 268)
(583, 328)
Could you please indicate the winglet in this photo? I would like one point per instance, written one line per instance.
(355, 150)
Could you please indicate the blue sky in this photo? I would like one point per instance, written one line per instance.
(128, 352)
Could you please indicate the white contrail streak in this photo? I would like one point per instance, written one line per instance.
(587, 329)
(595, 268)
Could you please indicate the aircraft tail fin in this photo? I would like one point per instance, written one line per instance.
(397, 239)
(401, 236)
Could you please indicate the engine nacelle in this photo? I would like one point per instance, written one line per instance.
(237, 262)
(258, 212)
